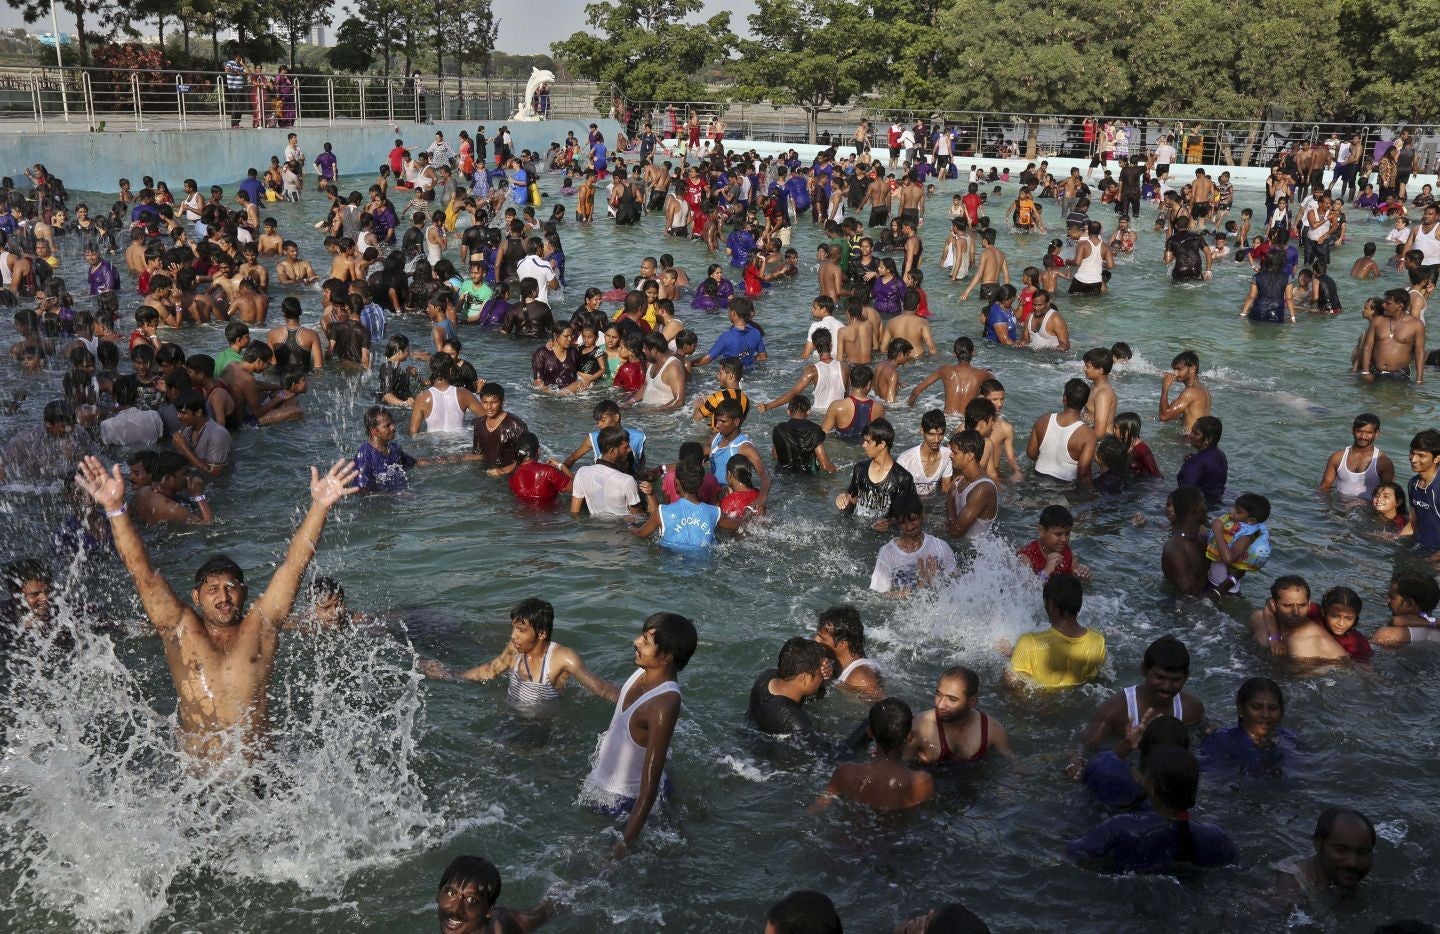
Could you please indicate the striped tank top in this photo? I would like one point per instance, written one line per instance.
(526, 690)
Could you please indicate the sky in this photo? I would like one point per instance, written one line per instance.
(522, 31)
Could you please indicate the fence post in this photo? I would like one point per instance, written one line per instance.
(360, 86)
(222, 97)
(89, 98)
(179, 102)
(135, 96)
(37, 100)
(389, 101)
(330, 98)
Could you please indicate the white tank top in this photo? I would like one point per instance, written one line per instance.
(7, 272)
(858, 663)
(445, 412)
(1042, 339)
(981, 524)
(1350, 483)
(1055, 460)
(620, 759)
(432, 249)
(1424, 301)
(656, 392)
(1132, 706)
(1427, 243)
(829, 384)
(1092, 266)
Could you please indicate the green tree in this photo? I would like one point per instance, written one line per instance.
(1395, 59)
(95, 20)
(295, 18)
(1068, 56)
(473, 35)
(645, 49)
(809, 53)
(354, 42)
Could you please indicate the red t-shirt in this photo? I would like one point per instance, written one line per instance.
(535, 482)
(1036, 557)
(735, 504)
(1355, 644)
(1142, 461)
(397, 160)
(630, 376)
(971, 203)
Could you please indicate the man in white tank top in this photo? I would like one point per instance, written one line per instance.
(1358, 469)
(828, 375)
(1425, 237)
(629, 772)
(1063, 446)
(841, 630)
(442, 407)
(1165, 670)
(664, 377)
(974, 503)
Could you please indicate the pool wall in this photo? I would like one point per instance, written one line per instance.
(94, 161)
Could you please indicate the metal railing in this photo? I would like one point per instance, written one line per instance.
(98, 99)
(1029, 136)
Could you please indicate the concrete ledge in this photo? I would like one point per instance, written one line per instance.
(96, 161)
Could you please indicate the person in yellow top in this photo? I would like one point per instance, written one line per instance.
(1065, 655)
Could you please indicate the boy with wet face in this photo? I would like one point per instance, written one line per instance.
(469, 888)
(1165, 669)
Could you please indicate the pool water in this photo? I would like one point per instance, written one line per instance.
(389, 779)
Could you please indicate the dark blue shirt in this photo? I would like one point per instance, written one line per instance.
(1425, 513)
(1232, 749)
(998, 317)
(253, 190)
(382, 472)
(1112, 782)
(1147, 842)
(1208, 470)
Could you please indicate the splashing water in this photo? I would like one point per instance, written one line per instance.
(103, 819)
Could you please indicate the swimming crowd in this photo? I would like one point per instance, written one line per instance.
(172, 413)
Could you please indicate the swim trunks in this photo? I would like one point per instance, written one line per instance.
(988, 291)
(1401, 374)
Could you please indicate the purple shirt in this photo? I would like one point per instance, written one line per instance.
(1207, 469)
(382, 472)
(104, 278)
(326, 161)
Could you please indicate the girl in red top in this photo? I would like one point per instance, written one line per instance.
(740, 479)
(1142, 459)
(755, 275)
(631, 375)
(1341, 608)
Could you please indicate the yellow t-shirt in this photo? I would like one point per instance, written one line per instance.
(1053, 660)
(648, 316)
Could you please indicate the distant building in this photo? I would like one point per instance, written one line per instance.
(317, 36)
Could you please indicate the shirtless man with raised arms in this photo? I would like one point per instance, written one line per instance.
(221, 656)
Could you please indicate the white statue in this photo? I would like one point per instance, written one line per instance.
(539, 82)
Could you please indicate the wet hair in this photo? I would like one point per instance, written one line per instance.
(1325, 824)
(1186, 499)
(734, 367)
(964, 349)
(1113, 454)
(739, 467)
(256, 351)
(1427, 441)
(218, 566)
(967, 676)
(691, 452)
(881, 431)
(1120, 351)
(1100, 358)
(1167, 653)
(907, 505)
(1186, 358)
(236, 330)
(1056, 517)
(1174, 779)
(690, 475)
(326, 587)
(1289, 582)
(978, 410)
(1164, 730)
(800, 656)
(538, 614)
(731, 408)
(675, 636)
(1402, 508)
(1251, 687)
(933, 420)
(799, 405)
(374, 416)
(492, 391)
(1127, 428)
(611, 438)
(1065, 592)
(861, 376)
(472, 870)
(890, 721)
(19, 573)
(1077, 393)
(1419, 589)
(1255, 504)
(898, 347)
(845, 626)
(1208, 429)
(804, 912)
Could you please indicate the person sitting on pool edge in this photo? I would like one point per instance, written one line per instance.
(467, 896)
(1413, 598)
(883, 783)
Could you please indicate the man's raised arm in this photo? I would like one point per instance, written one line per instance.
(325, 492)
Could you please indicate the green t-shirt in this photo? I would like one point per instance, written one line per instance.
(844, 246)
(473, 297)
(226, 357)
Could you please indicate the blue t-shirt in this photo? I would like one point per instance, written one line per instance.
(1111, 781)
(687, 525)
(1425, 513)
(741, 244)
(254, 190)
(1147, 842)
(601, 154)
(996, 317)
(744, 344)
(519, 186)
(637, 443)
(382, 472)
(798, 189)
(1208, 470)
(1232, 749)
